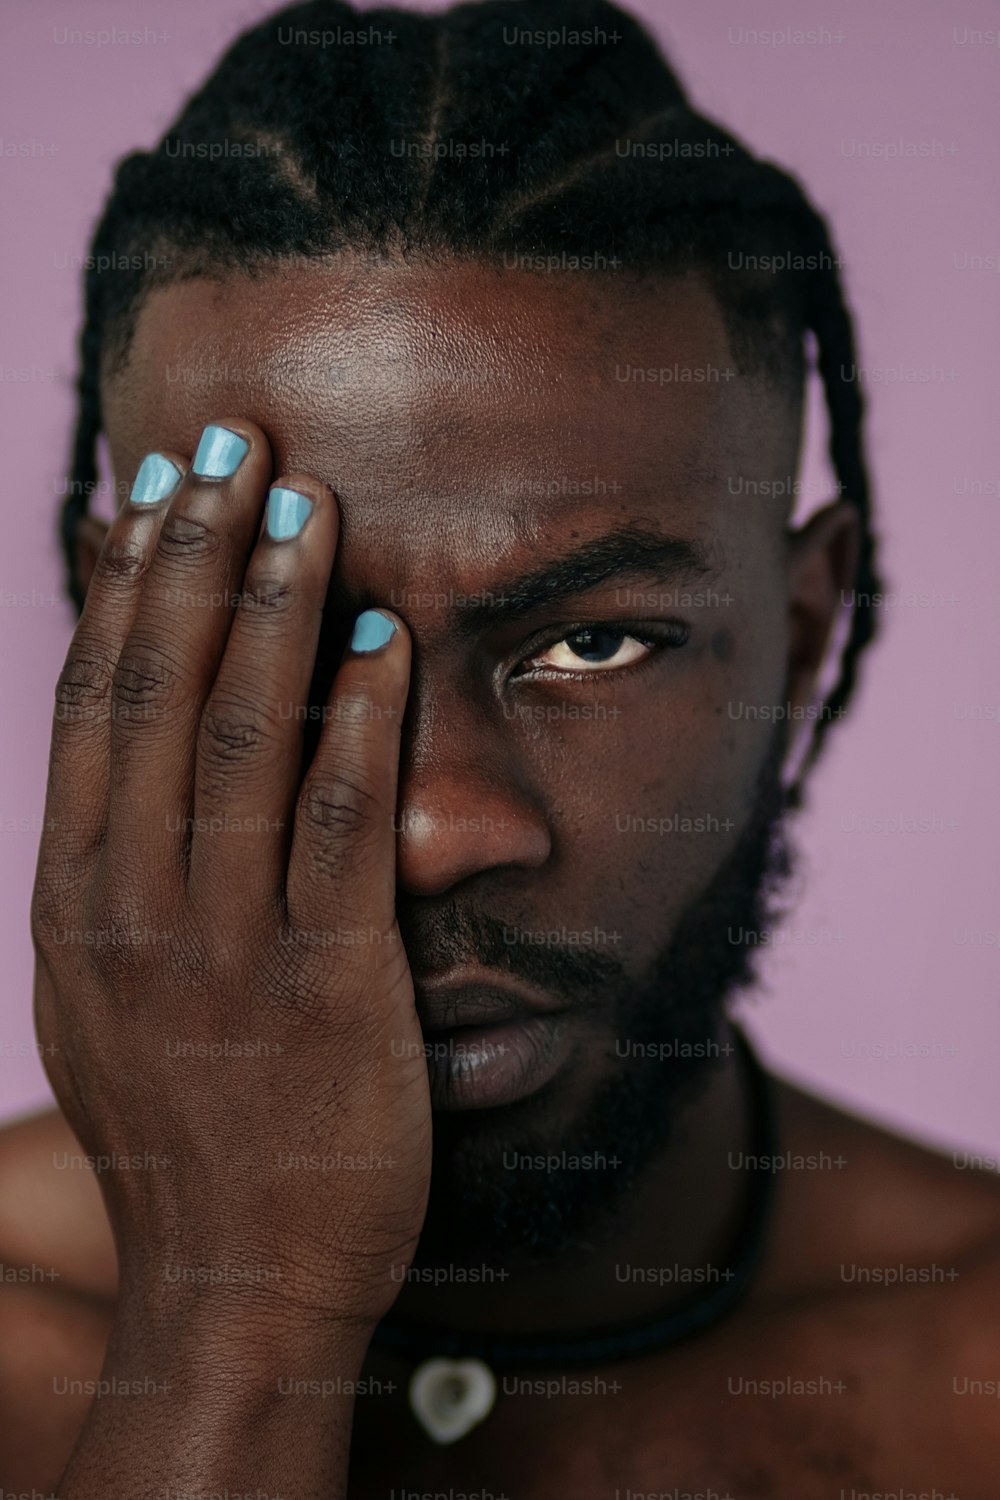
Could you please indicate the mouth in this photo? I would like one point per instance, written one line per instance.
(489, 1041)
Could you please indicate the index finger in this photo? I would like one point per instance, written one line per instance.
(79, 758)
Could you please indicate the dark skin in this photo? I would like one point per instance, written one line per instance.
(454, 395)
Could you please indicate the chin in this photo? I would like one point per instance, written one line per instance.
(535, 1180)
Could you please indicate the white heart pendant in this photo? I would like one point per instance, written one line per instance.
(449, 1396)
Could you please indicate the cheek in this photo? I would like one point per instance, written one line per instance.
(648, 788)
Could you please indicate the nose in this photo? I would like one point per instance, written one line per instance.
(462, 807)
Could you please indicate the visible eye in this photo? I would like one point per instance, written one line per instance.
(591, 649)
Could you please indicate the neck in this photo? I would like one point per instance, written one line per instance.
(682, 1218)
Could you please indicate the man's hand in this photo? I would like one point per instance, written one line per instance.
(222, 996)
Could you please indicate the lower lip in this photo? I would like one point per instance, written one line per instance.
(483, 1067)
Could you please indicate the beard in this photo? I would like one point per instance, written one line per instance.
(483, 1207)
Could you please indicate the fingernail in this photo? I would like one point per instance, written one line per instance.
(372, 630)
(287, 512)
(220, 453)
(156, 478)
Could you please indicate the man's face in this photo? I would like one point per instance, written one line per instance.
(570, 805)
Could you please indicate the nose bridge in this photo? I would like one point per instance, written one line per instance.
(465, 803)
(462, 807)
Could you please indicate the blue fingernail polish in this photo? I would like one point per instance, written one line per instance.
(156, 479)
(220, 453)
(372, 630)
(287, 513)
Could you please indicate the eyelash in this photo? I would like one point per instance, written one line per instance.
(666, 635)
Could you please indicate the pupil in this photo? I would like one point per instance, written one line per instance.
(595, 645)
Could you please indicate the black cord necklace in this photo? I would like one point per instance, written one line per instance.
(454, 1387)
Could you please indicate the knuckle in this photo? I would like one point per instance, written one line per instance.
(338, 814)
(186, 537)
(338, 803)
(352, 706)
(50, 903)
(116, 934)
(231, 732)
(265, 596)
(84, 683)
(141, 681)
(122, 562)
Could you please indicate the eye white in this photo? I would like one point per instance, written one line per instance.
(563, 658)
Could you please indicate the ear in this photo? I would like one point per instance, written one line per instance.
(89, 539)
(823, 560)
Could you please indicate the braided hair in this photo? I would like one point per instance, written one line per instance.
(327, 129)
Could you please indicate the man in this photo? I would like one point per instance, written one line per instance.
(275, 823)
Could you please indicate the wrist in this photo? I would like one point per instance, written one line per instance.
(227, 1297)
(222, 1394)
(231, 1321)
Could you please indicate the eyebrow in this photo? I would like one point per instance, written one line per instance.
(627, 552)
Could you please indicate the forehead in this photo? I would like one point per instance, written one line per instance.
(461, 398)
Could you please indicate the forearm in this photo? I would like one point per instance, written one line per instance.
(236, 1399)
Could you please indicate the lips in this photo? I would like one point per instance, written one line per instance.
(485, 1000)
(489, 1041)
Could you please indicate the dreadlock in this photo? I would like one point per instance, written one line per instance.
(301, 144)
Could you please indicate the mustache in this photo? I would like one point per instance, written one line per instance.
(453, 934)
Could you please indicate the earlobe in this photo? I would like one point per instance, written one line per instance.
(90, 534)
(823, 560)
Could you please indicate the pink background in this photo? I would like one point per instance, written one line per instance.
(886, 968)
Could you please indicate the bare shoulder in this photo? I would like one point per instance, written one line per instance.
(856, 1190)
(899, 1243)
(882, 1275)
(52, 1216)
(57, 1283)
